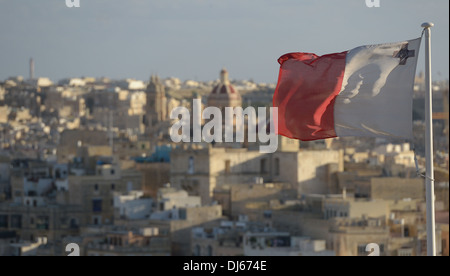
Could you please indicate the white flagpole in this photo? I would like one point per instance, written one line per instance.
(431, 227)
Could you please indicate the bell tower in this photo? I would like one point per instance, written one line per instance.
(156, 102)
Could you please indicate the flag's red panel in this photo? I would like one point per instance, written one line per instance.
(305, 94)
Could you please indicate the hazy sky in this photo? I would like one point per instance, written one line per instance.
(194, 39)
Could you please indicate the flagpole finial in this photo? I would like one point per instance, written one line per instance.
(427, 25)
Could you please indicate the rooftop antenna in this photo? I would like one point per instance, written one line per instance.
(31, 69)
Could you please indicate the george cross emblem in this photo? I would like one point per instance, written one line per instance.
(404, 54)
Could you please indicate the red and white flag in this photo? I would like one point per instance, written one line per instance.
(366, 92)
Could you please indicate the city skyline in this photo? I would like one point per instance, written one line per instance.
(194, 39)
(91, 168)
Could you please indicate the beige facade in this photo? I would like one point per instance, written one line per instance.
(200, 171)
(126, 149)
(154, 176)
(350, 237)
(351, 208)
(4, 111)
(51, 221)
(254, 200)
(68, 103)
(397, 188)
(208, 244)
(127, 243)
(96, 193)
(445, 239)
(2, 93)
(71, 139)
(180, 229)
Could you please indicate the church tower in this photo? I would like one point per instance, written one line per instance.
(156, 110)
(224, 94)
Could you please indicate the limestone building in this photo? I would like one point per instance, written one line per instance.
(201, 170)
(96, 192)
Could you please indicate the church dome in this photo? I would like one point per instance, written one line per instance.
(224, 94)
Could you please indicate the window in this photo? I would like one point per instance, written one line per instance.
(97, 205)
(406, 231)
(210, 251)
(263, 164)
(362, 250)
(227, 166)
(113, 186)
(16, 221)
(191, 168)
(42, 223)
(197, 250)
(113, 172)
(278, 242)
(96, 187)
(277, 166)
(405, 252)
(3, 221)
(73, 223)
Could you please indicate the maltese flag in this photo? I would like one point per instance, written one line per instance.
(366, 92)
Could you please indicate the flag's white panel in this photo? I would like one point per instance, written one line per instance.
(377, 91)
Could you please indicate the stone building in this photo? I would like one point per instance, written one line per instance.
(96, 192)
(154, 176)
(2, 94)
(350, 237)
(201, 170)
(224, 239)
(145, 242)
(283, 244)
(255, 200)
(71, 140)
(178, 223)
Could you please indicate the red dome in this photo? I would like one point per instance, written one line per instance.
(224, 94)
(224, 89)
